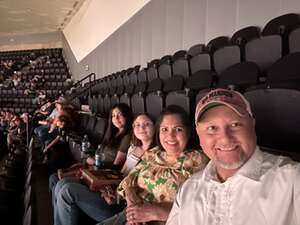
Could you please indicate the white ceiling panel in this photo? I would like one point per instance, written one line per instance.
(36, 16)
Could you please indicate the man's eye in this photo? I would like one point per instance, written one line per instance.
(211, 128)
(235, 124)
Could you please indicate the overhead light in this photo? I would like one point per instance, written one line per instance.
(11, 40)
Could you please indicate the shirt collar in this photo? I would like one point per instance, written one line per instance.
(251, 169)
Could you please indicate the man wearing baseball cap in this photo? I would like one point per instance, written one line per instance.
(241, 185)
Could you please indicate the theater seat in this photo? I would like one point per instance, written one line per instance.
(294, 41)
(285, 72)
(239, 76)
(276, 113)
(264, 51)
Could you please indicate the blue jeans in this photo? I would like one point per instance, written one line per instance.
(41, 132)
(73, 197)
(53, 179)
(55, 185)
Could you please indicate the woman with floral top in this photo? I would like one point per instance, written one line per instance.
(151, 186)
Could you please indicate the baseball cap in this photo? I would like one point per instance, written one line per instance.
(233, 99)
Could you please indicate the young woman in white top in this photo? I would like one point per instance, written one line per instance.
(142, 140)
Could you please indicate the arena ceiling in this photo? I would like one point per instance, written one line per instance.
(36, 16)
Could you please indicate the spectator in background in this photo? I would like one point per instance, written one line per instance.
(57, 154)
(16, 132)
(42, 132)
(15, 81)
(40, 97)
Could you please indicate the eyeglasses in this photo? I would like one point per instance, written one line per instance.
(142, 125)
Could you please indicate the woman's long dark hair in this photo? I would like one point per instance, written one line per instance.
(110, 138)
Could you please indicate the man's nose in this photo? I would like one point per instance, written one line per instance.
(226, 135)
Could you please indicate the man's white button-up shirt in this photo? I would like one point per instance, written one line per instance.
(265, 191)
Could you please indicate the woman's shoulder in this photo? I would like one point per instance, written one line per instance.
(196, 156)
(150, 153)
(126, 138)
(127, 135)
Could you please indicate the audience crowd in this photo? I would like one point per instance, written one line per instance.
(165, 180)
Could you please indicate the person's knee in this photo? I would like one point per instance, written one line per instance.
(65, 195)
(62, 182)
(58, 187)
(53, 179)
(73, 192)
(37, 130)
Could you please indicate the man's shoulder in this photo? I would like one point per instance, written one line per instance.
(278, 160)
(279, 163)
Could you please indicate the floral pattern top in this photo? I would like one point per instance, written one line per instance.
(158, 181)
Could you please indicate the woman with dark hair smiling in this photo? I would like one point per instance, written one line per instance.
(117, 136)
(150, 188)
(116, 142)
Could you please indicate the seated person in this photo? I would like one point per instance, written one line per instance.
(241, 185)
(57, 154)
(150, 188)
(16, 132)
(42, 132)
(116, 139)
(90, 202)
(141, 140)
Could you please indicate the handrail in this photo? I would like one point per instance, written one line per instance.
(89, 76)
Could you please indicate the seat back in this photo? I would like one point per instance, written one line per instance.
(264, 51)
(276, 112)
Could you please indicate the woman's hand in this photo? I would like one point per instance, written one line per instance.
(90, 161)
(131, 197)
(109, 195)
(146, 212)
(140, 213)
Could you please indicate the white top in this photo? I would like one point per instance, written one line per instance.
(53, 114)
(265, 191)
(131, 161)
